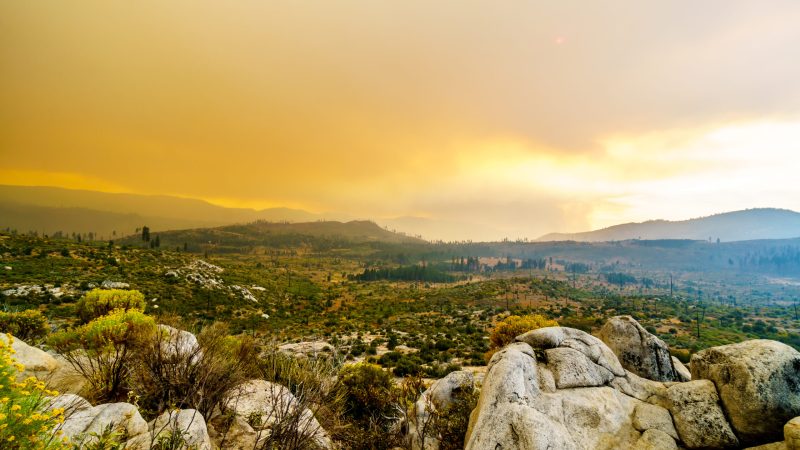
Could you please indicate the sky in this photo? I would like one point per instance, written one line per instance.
(454, 119)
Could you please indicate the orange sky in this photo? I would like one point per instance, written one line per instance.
(517, 118)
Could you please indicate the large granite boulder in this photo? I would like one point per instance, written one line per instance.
(759, 385)
(639, 351)
(698, 417)
(519, 408)
(440, 396)
(266, 405)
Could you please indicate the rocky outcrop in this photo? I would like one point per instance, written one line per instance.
(307, 348)
(266, 405)
(683, 372)
(439, 397)
(562, 388)
(639, 351)
(758, 383)
(553, 390)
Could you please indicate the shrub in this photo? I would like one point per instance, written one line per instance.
(26, 325)
(369, 392)
(512, 326)
(102, 349)
(25, 421)
(99, 302)
(451, 423)
(166, 374)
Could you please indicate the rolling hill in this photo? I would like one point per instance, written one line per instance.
(750, 224)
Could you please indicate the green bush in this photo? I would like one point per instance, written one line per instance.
(369, 392)
(99, 302)
(102, 350)
(26, 325)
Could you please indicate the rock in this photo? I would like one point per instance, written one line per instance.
(698, 416)
(639, 351)
(772, 446)
(70, 403)
(309, 348)
(439, 396)
(553, 337)
(640, 388)
(37, 362)
(759, 385)
(79, 425)
(65, 378)
(791, 434)
(177, 345)
(652, 417)
(683, 372)
(188, 423)
(272, 404)
(571, 368)
(514, 413)
(233, 433)
(655, 440)
(108, 284)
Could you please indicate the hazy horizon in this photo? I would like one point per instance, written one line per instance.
(488, 120)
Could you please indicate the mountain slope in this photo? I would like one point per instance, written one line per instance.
(763, 223)
(48, 210)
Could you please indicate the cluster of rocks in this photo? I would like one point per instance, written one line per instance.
(206, 275)
(562, 388)
(246, 419)
(25, 290)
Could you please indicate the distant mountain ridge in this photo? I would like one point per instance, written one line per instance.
(48, 210)
(744, 225)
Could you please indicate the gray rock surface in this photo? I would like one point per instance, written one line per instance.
(655, 440)
(652, 417)
(553, 337)
(759, 385)
(188, 423)
(698, 416)
(37, 363)
(178, 344)
(82, 423)
(638, 351)
(571, 368)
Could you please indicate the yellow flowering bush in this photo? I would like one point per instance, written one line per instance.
(512, 326)
(26, 325)
(99, 302)
(25, 421)
(102, 350)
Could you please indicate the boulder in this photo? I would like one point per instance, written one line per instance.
(187, 423)
(70, 403)
(698, 417)
(759, 385)
(684, 374)
(554, 337)
(514, 412)
(639, 351)
(233, 432)
(37, 363)
(791, 434)
(177, 344)
(439, 396)
(266, 405)
(81, 424)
